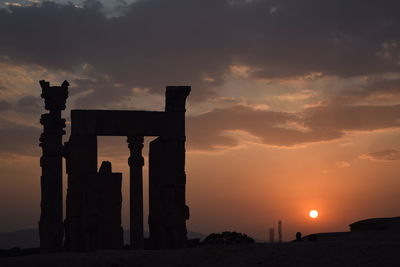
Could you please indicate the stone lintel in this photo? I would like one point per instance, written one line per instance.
(124, 123)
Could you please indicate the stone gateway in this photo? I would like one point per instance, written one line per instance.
(93, 202)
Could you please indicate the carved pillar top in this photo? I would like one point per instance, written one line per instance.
(135, 144)
(54, 96)
(175, 98)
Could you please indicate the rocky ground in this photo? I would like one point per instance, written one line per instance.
(278, 254)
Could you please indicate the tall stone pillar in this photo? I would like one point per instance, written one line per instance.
(136, 162)
(167, 178)
(51, 217)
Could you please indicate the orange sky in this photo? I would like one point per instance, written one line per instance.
(249, 187)
(293, 106)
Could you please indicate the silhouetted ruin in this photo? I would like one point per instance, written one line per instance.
(93, 205)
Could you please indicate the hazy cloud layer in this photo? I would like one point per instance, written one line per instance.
(389, 154)
(210, 130)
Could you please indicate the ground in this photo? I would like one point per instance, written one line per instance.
(279, 254)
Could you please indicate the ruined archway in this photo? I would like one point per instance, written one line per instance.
(90, 223)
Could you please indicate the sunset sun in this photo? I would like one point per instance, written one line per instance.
(313, 214)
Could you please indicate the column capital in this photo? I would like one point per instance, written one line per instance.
(135, 144)
(54, 96)
(135, 140)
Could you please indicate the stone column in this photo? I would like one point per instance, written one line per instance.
(51, 228)
(167, 178)
(136, 162)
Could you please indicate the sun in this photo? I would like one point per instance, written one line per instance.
(313, 214)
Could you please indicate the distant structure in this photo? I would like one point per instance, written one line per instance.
(93, 208)
(373, 229)
(376, 224)
(280, 231)
(271, 235)
(298, 236)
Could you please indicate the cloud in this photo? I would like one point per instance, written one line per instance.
(212, 130)
(389, 154)
(352, 118)
(343, 164)
(19, 139)
(302, 95)
(273, 128)
(374, 89)
(29, 104)
(323, 123)
(100, 92)
(154, 43)
(4, 105)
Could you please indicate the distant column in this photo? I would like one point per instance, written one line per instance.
(136, 162)
(271, 235)
(51, 217)
(280, 231)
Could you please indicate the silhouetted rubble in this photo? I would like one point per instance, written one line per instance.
(227, 238)
(102, 210)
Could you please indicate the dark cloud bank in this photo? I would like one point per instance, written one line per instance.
(317, 124)
(155, 42)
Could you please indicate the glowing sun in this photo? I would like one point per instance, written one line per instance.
(313, 214)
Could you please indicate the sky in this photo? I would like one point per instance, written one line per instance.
(295, 105)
